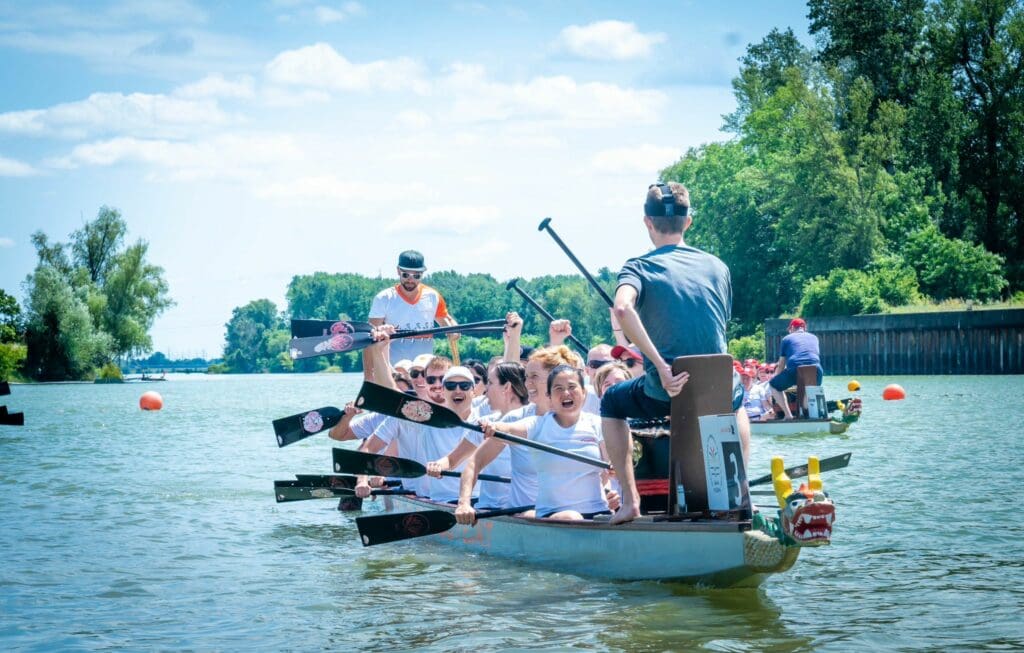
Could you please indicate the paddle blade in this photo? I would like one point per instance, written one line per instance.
(826, 465)
(12, 419)
(380, 529)
(359, 462)
(335, 481)
(314, 328)
(299, 427)
(5, 388)
(285, 491)
(379, 399)
(301, 348)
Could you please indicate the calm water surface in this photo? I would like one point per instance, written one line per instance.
(121, 529)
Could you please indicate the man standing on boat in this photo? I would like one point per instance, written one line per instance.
(673, 301)
(799, 348)
(410, 305)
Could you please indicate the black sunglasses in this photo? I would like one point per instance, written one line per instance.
(431, 380)
(415, 373)
(596, 365)
(412, 275)
(461, 385)
(630, 362)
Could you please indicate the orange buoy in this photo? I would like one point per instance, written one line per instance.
(151, 401)
(853, 385)
(894, 392)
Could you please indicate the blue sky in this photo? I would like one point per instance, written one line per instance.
(249, 142)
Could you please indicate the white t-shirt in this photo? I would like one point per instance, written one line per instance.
(435, 443)
(564, 484)
(492, 494)
(394, 308)
(365, 424)
(592, 404)
(408, 436)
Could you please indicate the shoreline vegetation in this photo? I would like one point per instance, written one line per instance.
(877, 172)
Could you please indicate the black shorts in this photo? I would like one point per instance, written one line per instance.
(628, 399)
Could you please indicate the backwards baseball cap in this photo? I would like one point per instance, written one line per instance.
(404, 364)
(458, 370)
(422, 361)
(797, 323)
(411, 260)
(631, 351)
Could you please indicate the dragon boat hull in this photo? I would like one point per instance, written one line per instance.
(715, 553)
(796, 426)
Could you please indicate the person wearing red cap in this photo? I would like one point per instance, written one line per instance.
(673, 301)
(800, 347)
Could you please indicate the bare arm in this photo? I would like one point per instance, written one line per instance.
(481, 458)
(633, 328)
(342, 430)
(513, 336)
(463, 449)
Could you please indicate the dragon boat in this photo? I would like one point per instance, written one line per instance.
(820, 416)
(701, 527)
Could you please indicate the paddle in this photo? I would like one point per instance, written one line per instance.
(827, 465)
(312, 328)
(514, 285)
(546, 225)
(411, 409)
(380, 529)
(11, 419)
(301, 348)
(332, 480)
(285, 491)
(293, 428)
(360, 462)
(5, 388)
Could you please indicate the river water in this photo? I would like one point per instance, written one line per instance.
(122, 529)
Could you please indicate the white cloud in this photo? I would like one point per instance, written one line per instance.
(137, 113)
(645, 159)
(608, 40)
(217, 86)
(12, 168)
(6, 243)
(576, 104)
(413, 118)
(229, 156)
(451, 219)
(325, 15)
(321, 66)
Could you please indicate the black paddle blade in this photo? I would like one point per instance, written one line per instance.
(5, 388)
(299, 427)
(826, 465)
(336, 481)
(313, 328)
(380, 529)
(12, 419)
(285, 491)
(379, 399)
(359, 462)
(337, 343)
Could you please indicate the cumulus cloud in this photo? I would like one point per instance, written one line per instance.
(608, 40)
(229, 156)
(326, 15)
(645, 159)
(452, 219)
(137, 113)
(477, 99)
(217, 86)
(321, 66)
(330, 190)
(13, 168)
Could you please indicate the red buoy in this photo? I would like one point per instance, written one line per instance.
(894, 392)
(151, 401)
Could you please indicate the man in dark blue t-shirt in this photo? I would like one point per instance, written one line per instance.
(673, 301)
(799, 348)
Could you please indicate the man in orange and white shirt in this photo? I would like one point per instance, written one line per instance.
(410, 305)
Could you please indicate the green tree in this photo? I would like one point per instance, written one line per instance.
(11, 327)
(251, 345)
(950, 268)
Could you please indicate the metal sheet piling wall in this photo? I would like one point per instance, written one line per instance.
(962, 342)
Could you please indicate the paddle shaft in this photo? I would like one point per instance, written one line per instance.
(371, 464)
(514, 285)
(826, 465)
(515, 439)
(301, 348)
(545, 225)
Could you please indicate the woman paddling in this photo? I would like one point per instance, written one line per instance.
(566, 489)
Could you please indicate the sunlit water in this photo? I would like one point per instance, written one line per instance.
(126, 529)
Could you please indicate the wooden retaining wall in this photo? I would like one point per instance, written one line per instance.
(962, 342)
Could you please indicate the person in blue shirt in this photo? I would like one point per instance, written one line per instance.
(800, 347)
